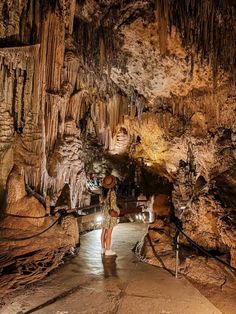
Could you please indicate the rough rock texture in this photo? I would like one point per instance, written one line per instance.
(154, 74)
(30, 259)
(87, 86)
(157, 248)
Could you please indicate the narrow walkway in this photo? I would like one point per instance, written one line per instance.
(90, 284)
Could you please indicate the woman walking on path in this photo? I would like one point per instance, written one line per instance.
(110, 212)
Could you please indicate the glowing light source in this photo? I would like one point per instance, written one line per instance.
(99, 219)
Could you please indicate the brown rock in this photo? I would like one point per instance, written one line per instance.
(161, 205)
(15, 186)
(233, 257)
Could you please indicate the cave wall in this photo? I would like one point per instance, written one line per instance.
(37, 98)
(110, 71)
(147, 79)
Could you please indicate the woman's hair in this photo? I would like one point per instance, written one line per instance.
(104, 191)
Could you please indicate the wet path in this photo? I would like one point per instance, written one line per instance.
(91, 284)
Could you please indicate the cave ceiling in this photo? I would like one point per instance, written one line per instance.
(147, 79)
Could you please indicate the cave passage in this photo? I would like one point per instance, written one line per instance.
(91, 283)
(140, 90)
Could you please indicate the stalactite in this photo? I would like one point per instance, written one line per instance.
(163, 21)
(53, 41)
(113, 112)
(68, 11)
(75, 108)
(17, 64)
(208, 26)
(97, 46)
(102, 52)
(71, 69)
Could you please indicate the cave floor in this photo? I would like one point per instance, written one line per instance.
(90, 283)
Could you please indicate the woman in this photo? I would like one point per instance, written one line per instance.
(108, 203)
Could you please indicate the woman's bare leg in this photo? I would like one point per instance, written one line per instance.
(103, 238)
(108, 238)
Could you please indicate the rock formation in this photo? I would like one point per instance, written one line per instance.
(87, 86)
(28, 253)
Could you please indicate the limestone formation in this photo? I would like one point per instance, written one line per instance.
(90, 86)
(28, 250)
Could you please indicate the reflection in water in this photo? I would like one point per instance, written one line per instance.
(109, 266)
